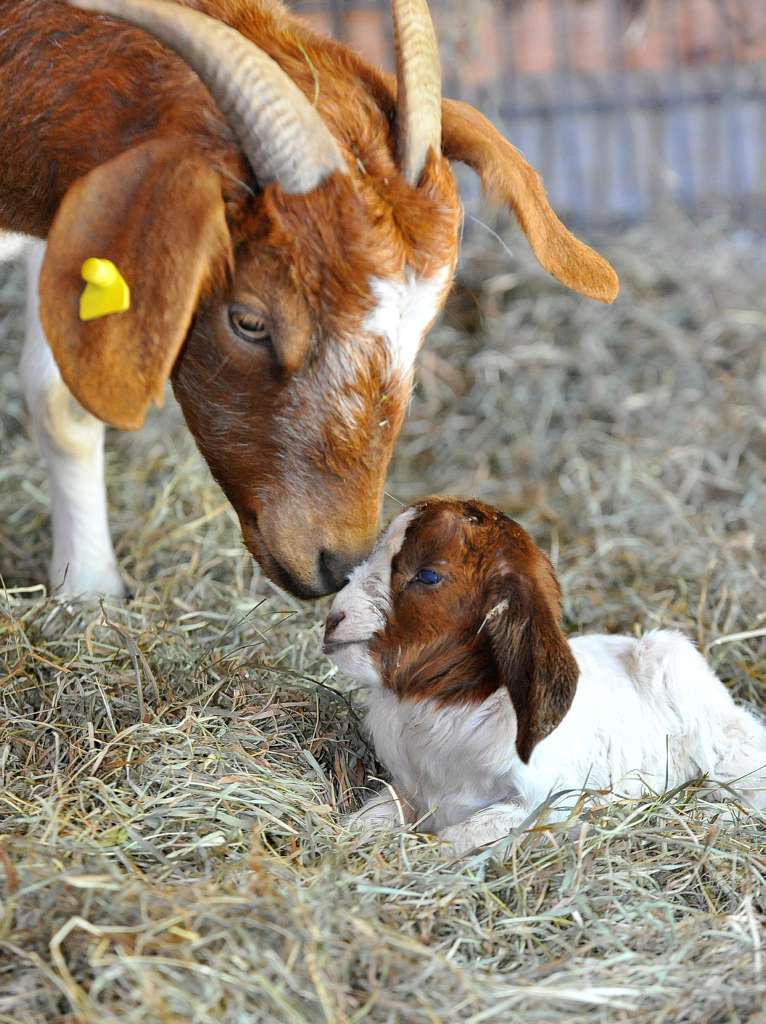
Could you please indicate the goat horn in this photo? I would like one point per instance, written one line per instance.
(419, 86)
(280, 132)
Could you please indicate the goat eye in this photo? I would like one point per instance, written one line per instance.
(428, 576)
(249, 326)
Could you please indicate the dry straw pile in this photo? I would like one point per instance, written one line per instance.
(173, 770)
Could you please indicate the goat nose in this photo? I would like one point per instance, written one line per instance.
(334, 568)
(332, 622)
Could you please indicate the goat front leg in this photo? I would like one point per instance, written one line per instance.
(72, 444)
(486, 826)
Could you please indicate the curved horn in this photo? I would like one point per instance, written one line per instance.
(280, 132)
(419, 86)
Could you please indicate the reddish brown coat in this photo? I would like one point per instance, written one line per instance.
(112, 147)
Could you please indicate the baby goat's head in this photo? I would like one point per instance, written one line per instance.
(456, 601)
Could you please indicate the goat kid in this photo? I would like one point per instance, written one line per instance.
(288, 222)
(481, 709)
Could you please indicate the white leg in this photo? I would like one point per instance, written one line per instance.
(72, 443)
(743, 764)
(486, 826)
(384, 810)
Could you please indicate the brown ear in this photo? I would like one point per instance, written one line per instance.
(506, 177)
(533, 658)
(157, 212)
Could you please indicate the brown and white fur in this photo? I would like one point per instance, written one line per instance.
(482, 709)
(287, 316)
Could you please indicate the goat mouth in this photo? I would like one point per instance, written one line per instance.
(331, 646)
(272, 567)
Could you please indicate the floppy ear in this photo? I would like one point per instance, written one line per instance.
(533, 658)
(506, 177)
(157, 212)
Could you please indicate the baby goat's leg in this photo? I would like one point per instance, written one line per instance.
(486, 826)
(742, 761)
(72, 443)
(722, 740)
(384, 810)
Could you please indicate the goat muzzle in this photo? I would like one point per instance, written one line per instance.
(294, 558)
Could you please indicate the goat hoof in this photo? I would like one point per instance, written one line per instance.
(90, 582)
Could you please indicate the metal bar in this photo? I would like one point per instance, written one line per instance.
(731, 107)
(680, 139)
(338, 19)
(568, 132)
(626, 153)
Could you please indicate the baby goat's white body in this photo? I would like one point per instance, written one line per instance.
(645, 714)
(648, 714)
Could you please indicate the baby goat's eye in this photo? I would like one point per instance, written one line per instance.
(428, 576)
(249, 326)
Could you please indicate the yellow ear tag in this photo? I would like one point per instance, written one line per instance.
(106, 292)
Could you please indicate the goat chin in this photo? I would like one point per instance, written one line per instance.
(475, 746)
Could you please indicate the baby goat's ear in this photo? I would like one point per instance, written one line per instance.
(533, 658)
(506, 177)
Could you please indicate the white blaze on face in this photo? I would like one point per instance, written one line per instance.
(404, 308)
(403, 312)
(364, 603)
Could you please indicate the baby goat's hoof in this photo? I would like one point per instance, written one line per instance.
(383, 811)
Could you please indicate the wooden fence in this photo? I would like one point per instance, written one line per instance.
(623, 105)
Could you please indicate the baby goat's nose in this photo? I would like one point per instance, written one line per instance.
(334, 619)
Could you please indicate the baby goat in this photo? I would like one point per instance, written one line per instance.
(481, 708)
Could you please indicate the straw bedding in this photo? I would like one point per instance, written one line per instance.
(173, 770)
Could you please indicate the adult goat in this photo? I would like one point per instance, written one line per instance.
(287, 221)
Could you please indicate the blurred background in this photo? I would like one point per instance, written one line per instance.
(622, 105)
